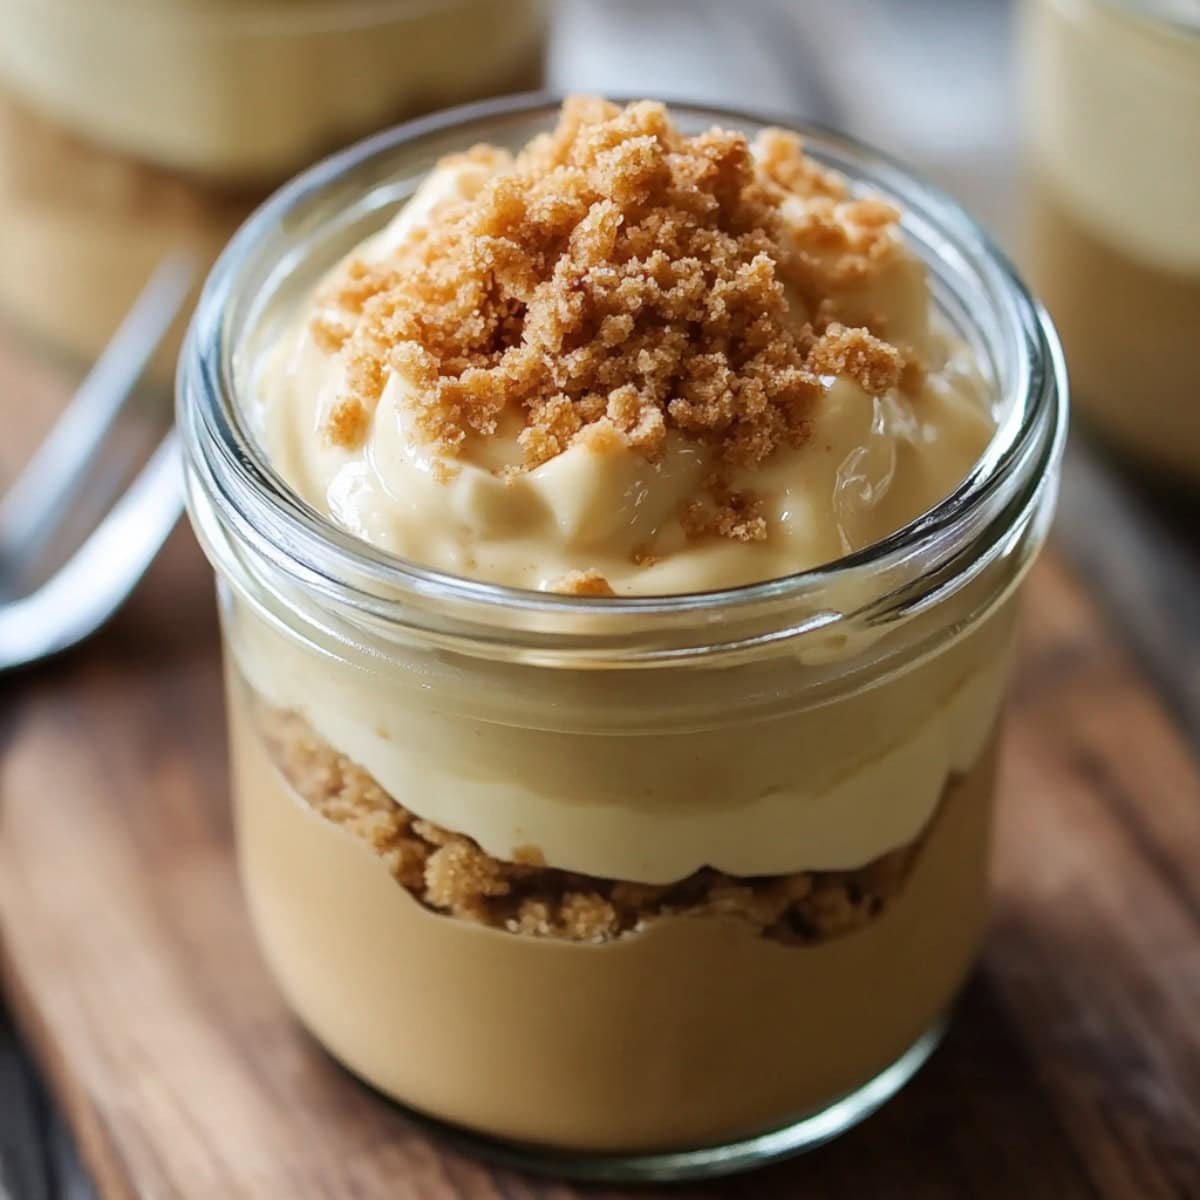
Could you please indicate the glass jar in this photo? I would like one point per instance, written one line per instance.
(1112, 233)
(726, 851)
(129, 128)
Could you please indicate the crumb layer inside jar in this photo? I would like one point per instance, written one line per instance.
(448, 873)
(694, 1030)
(647, 776)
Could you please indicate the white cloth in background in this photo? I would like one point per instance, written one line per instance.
(930, 81)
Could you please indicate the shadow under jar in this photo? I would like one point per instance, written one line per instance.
(129, 128)
(1112, 212)
(765, 811)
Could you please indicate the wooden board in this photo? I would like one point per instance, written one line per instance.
(1073, 1069)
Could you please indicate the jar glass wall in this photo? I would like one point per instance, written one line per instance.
(129, 129)
(617, 884)
(1112, 240)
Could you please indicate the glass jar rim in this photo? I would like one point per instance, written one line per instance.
(950, 540)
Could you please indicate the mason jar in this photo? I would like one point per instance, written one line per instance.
(131, 128)
(1112, 213)
(816, 752)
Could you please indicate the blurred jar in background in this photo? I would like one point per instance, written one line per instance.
(1113, 218)
(128, 127)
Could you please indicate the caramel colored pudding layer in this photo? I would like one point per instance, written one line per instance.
(692, 1030)
(449, 873)
(1130, 331)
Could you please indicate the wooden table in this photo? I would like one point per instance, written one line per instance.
(1073, 1069)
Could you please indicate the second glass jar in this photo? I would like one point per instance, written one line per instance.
(130, 130)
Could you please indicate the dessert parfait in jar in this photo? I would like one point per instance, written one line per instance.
(619, 517)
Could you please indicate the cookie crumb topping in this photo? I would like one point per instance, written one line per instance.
(615, 283)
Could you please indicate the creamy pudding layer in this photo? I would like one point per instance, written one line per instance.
(425, 1007)
(451, 874)
(1129, 329)
(613, 774)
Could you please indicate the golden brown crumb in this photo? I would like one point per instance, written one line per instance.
(834, 908)
(583, 583)
(783, 161)
(459, 876)
(730, 514)
(615, 282)
(451, 874)
(330, 334)
(534, 919)
(588, 917)
(873, 364)
(347, 422)
(836, 246)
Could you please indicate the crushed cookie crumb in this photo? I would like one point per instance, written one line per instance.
(459, 877)
(614, 283)
(346, 423)
(720, 510)
(875, 365)
(588, 917)
(583, 583)
(450, 874)
(782, 160)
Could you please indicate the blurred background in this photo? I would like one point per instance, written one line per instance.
(931, 81)
(129, 128)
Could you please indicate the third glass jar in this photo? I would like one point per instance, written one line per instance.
(1112, 214)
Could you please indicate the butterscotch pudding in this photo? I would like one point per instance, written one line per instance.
(130, 127)
(618, 548)
(1112, 237)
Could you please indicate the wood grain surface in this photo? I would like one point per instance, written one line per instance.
(1073, 1067)
(1072, 1070)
